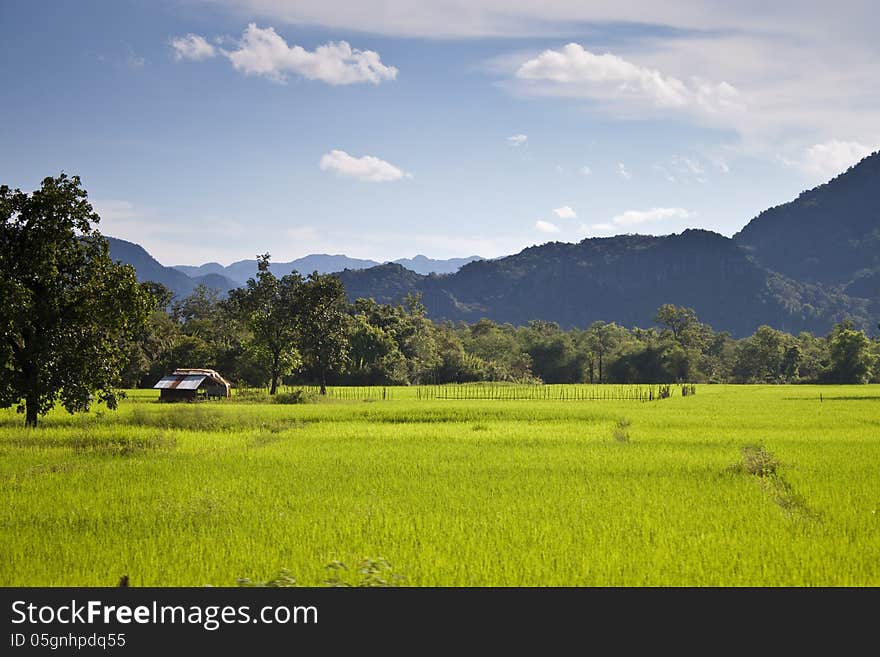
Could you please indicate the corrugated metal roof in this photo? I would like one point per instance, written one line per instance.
(181, 381)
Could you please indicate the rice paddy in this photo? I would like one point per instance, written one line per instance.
(731, 486)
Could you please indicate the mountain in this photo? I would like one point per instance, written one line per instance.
(802, 265)
(622, 279)
(424, 265)
(242, 270)
(830, 234)
(149, 269)
(201, 270)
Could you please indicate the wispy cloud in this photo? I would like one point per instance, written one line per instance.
(264, 52)
(367, 168)
(621, 169)
(192, 46)
(684, 169)
(830, 157)
(546, 226)
(573, 71)
(565, 212)
(517, 140)
(585, 171)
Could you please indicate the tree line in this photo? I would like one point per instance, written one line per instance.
(297, 330)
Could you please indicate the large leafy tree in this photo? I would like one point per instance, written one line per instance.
(68, 312)
(323, 326)
(851, 357)
(269, 307)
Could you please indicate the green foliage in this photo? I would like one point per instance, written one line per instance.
(269, 309)
(768, 356)
(852, 360)
(68, 311)
(323, 325)
(756, 460)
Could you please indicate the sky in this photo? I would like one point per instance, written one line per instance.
(216, 130)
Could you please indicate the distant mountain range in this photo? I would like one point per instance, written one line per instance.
(323, 264)
(149, 269)
(803, 265)
(182, 279)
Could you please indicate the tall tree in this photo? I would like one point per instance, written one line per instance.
(602, 338)
(269, 308)
(851, 357)
(68, 311)
(323, 325)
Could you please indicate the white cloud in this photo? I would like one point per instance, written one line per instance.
(366, 168)
(585, 170)
(546, 226)
(635, 217)
(831, 157)
(517, 140)
(574, 71)
(565, 212)
(264, 52)
(192, 46)
(621, 169)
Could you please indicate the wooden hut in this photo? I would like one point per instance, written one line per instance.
(188, 384)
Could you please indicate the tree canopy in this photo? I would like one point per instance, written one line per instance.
(67, 308)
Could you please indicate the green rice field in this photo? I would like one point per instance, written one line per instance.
(731, 486)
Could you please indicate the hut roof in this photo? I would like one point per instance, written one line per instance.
(190, 379)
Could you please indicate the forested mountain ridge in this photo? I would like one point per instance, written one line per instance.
(829, 234)
(622, 279)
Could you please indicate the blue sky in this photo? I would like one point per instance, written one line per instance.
(220, 129)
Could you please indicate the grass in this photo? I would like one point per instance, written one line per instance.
(733, 486)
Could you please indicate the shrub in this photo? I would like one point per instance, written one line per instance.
(757, 461)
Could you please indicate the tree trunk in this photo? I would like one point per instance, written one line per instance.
(323, 382)
(31, 377)
(31, 406)
(274, 386)
(600, 368)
